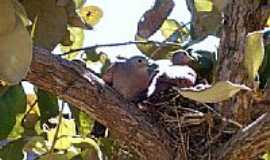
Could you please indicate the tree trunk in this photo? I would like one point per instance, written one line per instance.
(240, 18)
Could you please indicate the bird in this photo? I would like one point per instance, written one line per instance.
(131, 77)
(181, 57)
(200, 60)
(168, 76)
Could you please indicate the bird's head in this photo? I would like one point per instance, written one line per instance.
(181, 57)
(138, 62)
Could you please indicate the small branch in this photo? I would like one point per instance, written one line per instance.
(60, 116)
(29, 110)
(118, 44)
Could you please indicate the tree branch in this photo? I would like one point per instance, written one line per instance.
(120, 44)
(250, 142)
(80, 87)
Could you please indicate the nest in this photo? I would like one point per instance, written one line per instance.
(196, 129)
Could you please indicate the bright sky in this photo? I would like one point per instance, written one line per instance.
(119, 23)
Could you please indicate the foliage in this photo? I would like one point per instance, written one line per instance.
(34, 124)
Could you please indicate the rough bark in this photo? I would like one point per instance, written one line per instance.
(80, 87)
(240, 18)
(250, 142)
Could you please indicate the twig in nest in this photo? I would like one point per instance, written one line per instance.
(222, 117)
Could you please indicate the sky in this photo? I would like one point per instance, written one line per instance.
(119, 23)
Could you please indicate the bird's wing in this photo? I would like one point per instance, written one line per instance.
(108, 74)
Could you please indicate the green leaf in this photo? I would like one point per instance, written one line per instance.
(171, 29)
(203, 63)
(264, 71)
(48, 105)
(13, 150)
(77, 39)
(12, 103)
(84, 123)
(18, 130)
(67, 130)
(220, 91)
(92, 55)
(79, 3)
(266, 156)
(108, 147)
(254, 53)
(37, 144)
(204, 5)
(53, 156)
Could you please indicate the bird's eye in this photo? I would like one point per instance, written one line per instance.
(139, 61)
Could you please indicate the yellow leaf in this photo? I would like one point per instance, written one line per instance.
(67, 129)
(16, 54)
(220, 91)
(7, 17)
(204, 5)
(91, 14)
(268, 22)
(168, 27)
(254, 53)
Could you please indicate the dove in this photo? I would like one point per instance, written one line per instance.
(131, 77)
(181, 57)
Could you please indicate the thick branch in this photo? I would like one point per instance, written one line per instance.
(80, 87)
(240, 18)
(250, 142)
